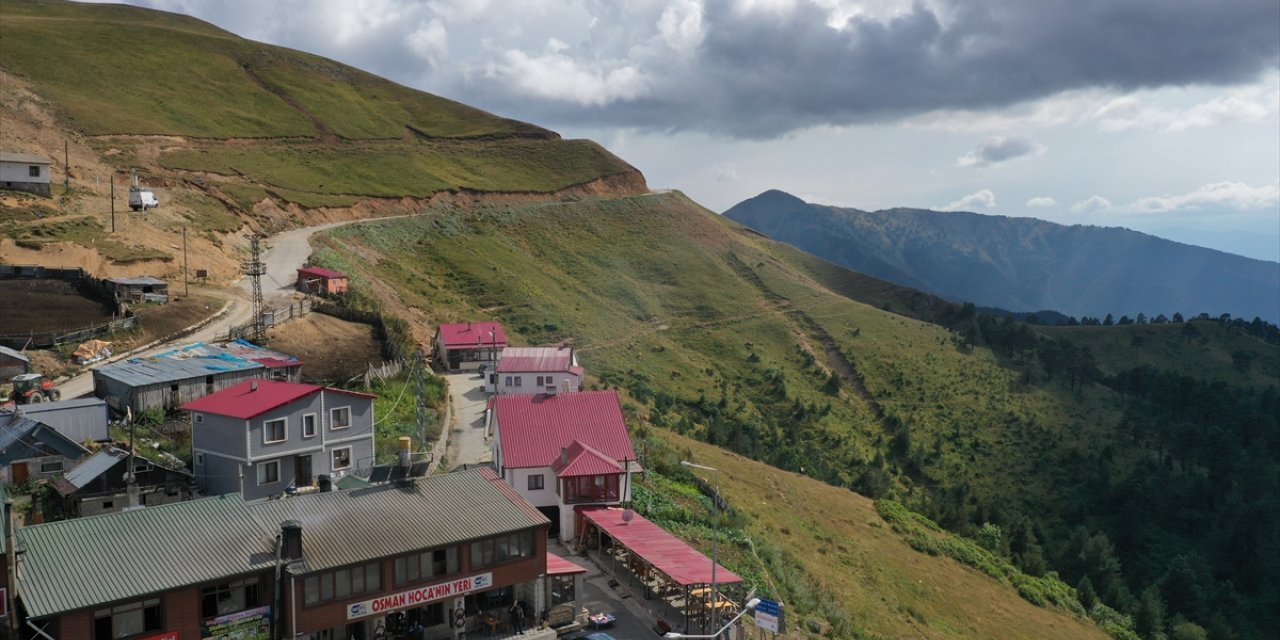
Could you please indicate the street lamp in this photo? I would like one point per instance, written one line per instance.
(715, 538)
(750, 606)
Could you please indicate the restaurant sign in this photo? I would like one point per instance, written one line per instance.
(420, 596)
(250, 624)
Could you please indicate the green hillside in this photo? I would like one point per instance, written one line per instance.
(723, 336)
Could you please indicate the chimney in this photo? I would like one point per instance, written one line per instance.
(291, 534)
(253, 385)
(564, 455)
(326, 483)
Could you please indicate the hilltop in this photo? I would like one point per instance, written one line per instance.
(1022, 264)
(239, 136)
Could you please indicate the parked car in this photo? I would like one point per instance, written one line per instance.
(142, 199)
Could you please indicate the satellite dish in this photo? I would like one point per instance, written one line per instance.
(628, 515)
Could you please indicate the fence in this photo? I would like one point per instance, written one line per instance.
(43, 339)
(273, 317)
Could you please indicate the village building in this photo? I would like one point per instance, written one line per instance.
(12, 363)
(468, 345)
(263, 438)
(25, 172)
(167, 380)
(320, 280)
(32, 450)
(137, 289)
(535, 370)
(99, 484)
(562, 451)
(454, 552)
(80, 420)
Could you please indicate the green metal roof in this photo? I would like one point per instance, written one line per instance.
(87, 562)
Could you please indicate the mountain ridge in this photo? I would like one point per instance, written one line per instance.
(1022, 264)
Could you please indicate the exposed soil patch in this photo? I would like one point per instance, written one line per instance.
(332, 350)
(47, 305)
(162, 320)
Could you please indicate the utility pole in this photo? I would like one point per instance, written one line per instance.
(254, 268)
(186, 282)
(113, 201)
(715, 539)
(420, 386)
(66, 166)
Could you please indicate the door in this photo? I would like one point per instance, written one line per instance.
(302, 471)
(19, 472)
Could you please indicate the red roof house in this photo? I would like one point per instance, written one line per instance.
(563, 450)
(536, 370)
(467, 345)
(320, 280)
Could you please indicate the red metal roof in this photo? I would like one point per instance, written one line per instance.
(667, 553)
(320, 272)
(251, 398)
(471, 334)
(536, 360)
(584, 460)
(532, 428)
(557, 566)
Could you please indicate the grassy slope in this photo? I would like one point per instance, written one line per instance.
(653, 290)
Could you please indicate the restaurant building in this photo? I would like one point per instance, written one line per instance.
(452, 551)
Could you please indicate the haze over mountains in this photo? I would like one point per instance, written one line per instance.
(1022, 264)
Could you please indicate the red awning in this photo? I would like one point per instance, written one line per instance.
(667, 553)
(557, 566)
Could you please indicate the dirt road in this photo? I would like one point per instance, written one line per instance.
(285, 253)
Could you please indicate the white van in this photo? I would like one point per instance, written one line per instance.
(142, 199)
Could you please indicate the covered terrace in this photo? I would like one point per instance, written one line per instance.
(627, 544)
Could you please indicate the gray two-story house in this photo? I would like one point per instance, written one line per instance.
(261, 437)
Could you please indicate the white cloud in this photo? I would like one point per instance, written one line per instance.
(725, 172)
(1042, 202)
(555, 76)
(1250, 104)
(1093, 204)
(1222, 195)
(983, 199)
(430, 41)
(681, 25)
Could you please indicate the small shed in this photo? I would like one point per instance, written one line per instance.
(97, 484)
(25, 172)
(169, 379)
(467, 345)
(32, 450)
(138, 289)
(320, 280)
(80, 420)
(12, 363)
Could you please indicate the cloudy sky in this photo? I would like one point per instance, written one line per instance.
(1157, 115)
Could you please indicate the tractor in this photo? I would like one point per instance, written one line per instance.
(32, 388)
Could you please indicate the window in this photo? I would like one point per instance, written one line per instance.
(198, 417)
(268, 472)
(52, 466)
(539, 381)
(535, 482)
(309, 425)
(33, 171)
(510, 381)
(342, 458)
(519, 379)
(127, 620)
(199, 459)
(228, 597)
(505, 548)
(340, 418)
(342, 583)
(274, 431)
(562, 589)
(426, 565)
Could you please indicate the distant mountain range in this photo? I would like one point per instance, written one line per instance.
(1022, 264)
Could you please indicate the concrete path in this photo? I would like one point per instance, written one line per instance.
(468, 441)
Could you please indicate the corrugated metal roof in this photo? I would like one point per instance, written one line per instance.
(79, 419)
(28, 158)
(557, 566)
(471, 334)
(535, 359)
(135, 553)
(348, 527)
(251, 398)
(90, 468)
(667, 553)
(22, 437)
(320, 272)
(137, 281)
(13, 354)
(191, 361)
(532, 428)
(63, 405)
(584, 460)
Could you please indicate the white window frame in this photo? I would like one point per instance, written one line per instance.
(332, 423)
(314, 422)
(262, 466)
(266, 430)
(333, 459)
(542, 482)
